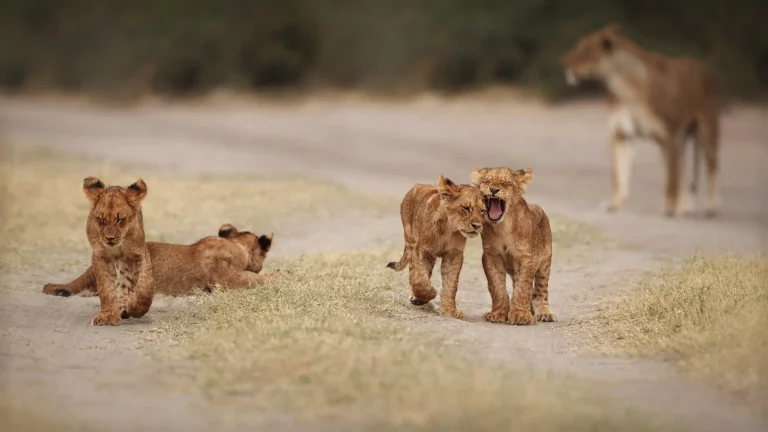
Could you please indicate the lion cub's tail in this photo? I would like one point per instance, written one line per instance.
(403, 263)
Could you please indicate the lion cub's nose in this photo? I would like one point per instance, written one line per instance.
(476, 225)
(493, 191)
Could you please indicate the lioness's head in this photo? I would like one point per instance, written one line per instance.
(464, 206)
(591, 56)
(256, 245)
(115, 212)
(501, 189)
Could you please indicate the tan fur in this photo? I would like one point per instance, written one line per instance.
(120, 261)
(519, 242)
(437, 220)
(231, 260)
(651, 96)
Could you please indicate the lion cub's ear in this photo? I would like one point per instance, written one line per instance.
(477, 175)
(447, 188)
(227, 230)
(265, 242)
(93, 188)
(136, 192)
(525, 176)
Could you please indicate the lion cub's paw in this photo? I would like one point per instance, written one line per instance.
(452, 313)
(495, 316)
(104, 319)
(545, 317)
(521, 318)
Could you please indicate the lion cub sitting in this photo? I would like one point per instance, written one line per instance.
(517, 239)
(437, 220)
(231, 260)
(120, 261)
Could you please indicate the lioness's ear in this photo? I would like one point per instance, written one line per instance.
(227, 230)
(136, 192)
(93, 188)
(446, 187)
(265, 242)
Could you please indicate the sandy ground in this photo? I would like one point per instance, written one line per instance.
(51, 356)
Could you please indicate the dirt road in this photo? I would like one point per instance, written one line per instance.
(386, 148)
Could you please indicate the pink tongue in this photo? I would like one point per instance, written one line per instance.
(495, 210)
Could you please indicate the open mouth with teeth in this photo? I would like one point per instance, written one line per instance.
(495, 208)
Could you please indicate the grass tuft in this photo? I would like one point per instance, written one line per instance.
(710, 315)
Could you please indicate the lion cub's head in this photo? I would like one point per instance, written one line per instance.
(115, 216)
(257, 246)
(463, 204)
(591, 57)
(501, 189)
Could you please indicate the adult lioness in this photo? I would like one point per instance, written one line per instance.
(517, 239)
(651, 96)
(120, 261)
(437, 220)
(231, 260)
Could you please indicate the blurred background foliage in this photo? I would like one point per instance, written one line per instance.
(187, 47)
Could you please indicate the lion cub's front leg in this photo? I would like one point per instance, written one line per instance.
(109, 313)
(522, 292)
(450, 268)
(496, 274)
(419, 275)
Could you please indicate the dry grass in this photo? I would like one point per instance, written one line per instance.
(20, 418)
(710, 315)
(44, 211)
(330, 343)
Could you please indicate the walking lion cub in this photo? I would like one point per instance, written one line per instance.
(437, 220)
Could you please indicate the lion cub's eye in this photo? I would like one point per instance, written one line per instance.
(119, 219)
(102, 221)
(467, 208)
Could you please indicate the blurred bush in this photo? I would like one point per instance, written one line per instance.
(182, 47)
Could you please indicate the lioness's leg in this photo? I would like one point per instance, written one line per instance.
(496, 274)
(109, 313)
(143, 291)
(450, 268)
(708, 139)
(622, 155)
(86, 282)
(540, 304)
(419, 275)
(522, 292)
(673, 163)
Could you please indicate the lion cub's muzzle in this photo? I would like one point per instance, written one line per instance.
(494, 208)
(473, 230)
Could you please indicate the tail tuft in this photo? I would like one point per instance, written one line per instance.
(392, 265)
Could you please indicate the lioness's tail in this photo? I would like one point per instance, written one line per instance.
(403, 263)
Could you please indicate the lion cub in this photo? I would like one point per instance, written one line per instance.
(437, 220)
(120, 260)
(517, 239)
(232, 259)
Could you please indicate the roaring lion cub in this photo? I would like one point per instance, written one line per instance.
(437, 220)
(120, 261)
(651, 96)
(517, 239)
(231, 260)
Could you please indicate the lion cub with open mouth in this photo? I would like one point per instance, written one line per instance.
(437, 220)
(517, 239)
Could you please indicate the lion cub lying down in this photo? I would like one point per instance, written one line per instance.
(437, 220)
(232, 260)
(517, 239)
